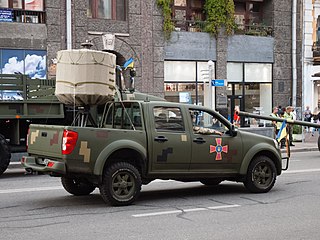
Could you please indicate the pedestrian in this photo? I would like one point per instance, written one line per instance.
(277, 125)
(307, 115)
(236, 117)
(288, 115)
(316, 119)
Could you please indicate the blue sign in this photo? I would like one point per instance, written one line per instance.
(6, 15)
(217, 83)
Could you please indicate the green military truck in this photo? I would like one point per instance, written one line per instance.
(141, 139)
(24, 101)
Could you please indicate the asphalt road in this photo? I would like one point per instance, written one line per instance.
(36, 207)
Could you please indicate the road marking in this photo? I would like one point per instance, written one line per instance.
(303, 171)
(184, 211)
(20, 190)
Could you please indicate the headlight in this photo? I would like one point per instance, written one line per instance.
(276, 144)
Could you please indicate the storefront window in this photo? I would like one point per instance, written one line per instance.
(258, 72)
(107, 9)
(250, 87)
(185, 81)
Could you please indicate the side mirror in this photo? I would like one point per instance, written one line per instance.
(233, 132)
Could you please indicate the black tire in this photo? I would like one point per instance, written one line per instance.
(211, 181)
(5, 154)
(76, 187)
(261, 175)
(121, 184)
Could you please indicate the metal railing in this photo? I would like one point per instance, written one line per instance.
(26, 16)
(245, 29)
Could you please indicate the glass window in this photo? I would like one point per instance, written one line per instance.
(168, 119)
(180, 3)
(203, 72)
(179, 71)
(17, 4)
(258, 72)
(30, 62)
(107, 9)
(12, 61)
(206, 123)
(34, 5)
(124, 116)
(104, 9)
(4, 3)
(234, 72)
(35, 64)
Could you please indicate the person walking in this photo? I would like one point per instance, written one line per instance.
(307, 115)
(277, 125)
(289, 116)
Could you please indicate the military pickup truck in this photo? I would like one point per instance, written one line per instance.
(138, 141)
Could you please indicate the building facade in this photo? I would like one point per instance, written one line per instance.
(259, 64)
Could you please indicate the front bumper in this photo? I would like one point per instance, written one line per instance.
(47, 165)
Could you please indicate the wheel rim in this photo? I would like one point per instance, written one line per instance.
(262, 175)
(123, 185)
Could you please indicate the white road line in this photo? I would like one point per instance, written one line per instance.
(303, 171)
(20, 190)
(184, 211)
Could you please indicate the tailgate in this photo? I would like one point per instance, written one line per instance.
(45, 140)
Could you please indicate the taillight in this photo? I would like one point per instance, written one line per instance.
(27, 138)
(69, 141)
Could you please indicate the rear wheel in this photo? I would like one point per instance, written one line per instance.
(261, 175)
(121, 184)
(77, 187)
(5, 154)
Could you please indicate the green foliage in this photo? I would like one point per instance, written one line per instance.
(297, 129)
(168, 25)
(220, 13)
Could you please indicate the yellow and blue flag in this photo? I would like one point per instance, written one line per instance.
(282, 131)
(129, 63)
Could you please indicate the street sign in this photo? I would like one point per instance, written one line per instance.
(217, 83)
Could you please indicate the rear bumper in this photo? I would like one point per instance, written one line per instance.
(49, 166)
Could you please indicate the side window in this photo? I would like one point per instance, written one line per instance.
(168, 119)
(124, 115)
(206, 123)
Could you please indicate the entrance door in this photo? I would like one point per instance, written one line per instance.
(234, 102)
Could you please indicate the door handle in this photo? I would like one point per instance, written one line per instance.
(199, 140)
(161, 139)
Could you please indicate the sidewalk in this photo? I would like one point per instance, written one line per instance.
(309, 143)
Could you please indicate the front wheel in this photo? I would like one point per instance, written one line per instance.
(77, 187)
(121, 184)
(261, 175)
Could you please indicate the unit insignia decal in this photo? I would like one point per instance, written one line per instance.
(219, 149)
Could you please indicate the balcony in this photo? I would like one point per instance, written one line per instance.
(24, 16)
(316, 53)
(199, 26)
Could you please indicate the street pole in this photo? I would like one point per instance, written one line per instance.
(211, 88)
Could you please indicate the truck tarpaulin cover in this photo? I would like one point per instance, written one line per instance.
(85, 77)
